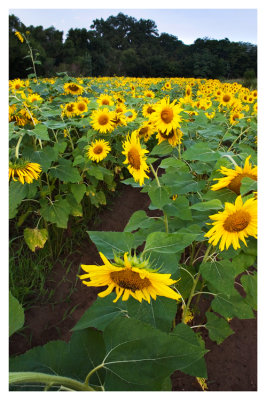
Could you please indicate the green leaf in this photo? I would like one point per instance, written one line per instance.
(142, 355)
(200, 151)
(159, 196)
(17, 192)
(138, 220)
(40, 132)
(249, 283)
(57, 212)
(110, 242)
(78, 191)
(233, 305)
(16, 315)
(161, 242)
(214, 204)
(75, 207)
(160, 313)
(35, 238)
(65, 172)
(218, 328)
(43, 157)
(180, 182)
(162, 149)
(224, 195)
(220, 275)
(173, 162)
(248, 185)
(188, 339)
(74, 359)
(101, 313)
(179, 208)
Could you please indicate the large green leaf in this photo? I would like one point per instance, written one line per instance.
(218, 328)
(180, 182)
(214, 204)
(248, 185)
(220, 275)
(161, 242)
(141, 355)
(40, 132)
(65, 171)
(179, 208)
(74, 359)
(17, 192)
(159, 196)
(16, 315)
(190, 340)
(200, 151)
(233, 305)
(101, 313)
(44, 157)
(57, 213)
(249, 283)
(160, 313)
(114, 242)
(78, 191)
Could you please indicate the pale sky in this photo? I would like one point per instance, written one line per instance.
(187, 24)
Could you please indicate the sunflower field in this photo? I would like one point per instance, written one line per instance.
(191, 146)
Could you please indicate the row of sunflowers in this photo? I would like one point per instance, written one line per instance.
(190, 144)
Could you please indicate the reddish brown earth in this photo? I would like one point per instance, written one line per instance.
(232, 366)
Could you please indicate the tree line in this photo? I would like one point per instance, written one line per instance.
(124, 46)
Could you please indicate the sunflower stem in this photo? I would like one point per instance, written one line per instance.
(195, 282)
(51, 380)
(239, 136)
(155, 175)
(17, 146)
(86, 382)
(159, 185)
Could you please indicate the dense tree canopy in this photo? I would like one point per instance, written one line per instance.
(124, 46)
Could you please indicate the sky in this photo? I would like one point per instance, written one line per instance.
(187, 24)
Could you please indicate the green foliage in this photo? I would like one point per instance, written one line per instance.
(16, 315)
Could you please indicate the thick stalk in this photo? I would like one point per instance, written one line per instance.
(92, 372)
(36, 377)
(195, 281)
(17, 146)
(159, 185)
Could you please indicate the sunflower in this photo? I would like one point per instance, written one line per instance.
(102, 120)
(105, 100)
(17, 84)
(235, 223)
(69, 110)
(32, 98)
(98, 150)
(166, 116)
(145, 131)
(149, 93)
(131, 114)
(234, 117)
(25, 171)
(120, 108)
(73, 88)
(81, 107)
(147, 110)
(174, 137)
(226, 99)
(233, 177)
(135, 157)
(129, 277)
(19, 36)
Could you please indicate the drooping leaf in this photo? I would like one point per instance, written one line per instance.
(57, 213)
(65, 171)
(214, 204)
(249, 283)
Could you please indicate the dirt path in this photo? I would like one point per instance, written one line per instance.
(232, 366)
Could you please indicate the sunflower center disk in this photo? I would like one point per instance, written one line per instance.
(226, 98)
(150, 110)
(143, 131)
(103, 119)
(97, 149)
(236, 182)
(105, 102)
(74, 88)
(128, 279)
(237, 222)
(134, 158)
(169, 136)
(81, 107)
(167, 115)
